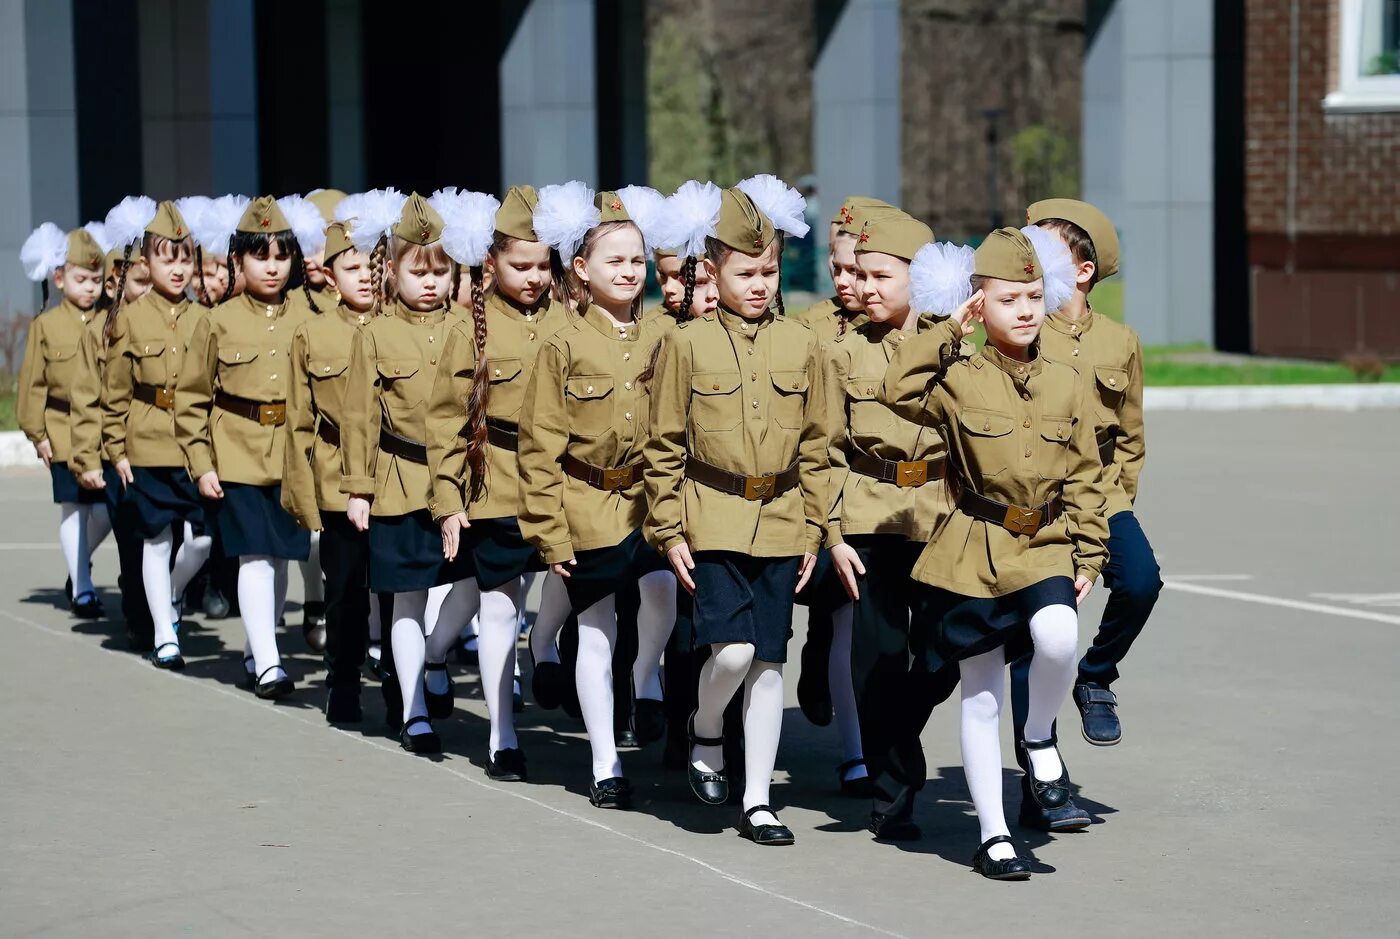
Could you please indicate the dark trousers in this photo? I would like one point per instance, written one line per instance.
(140, 631)
(345, 563)
(628, 600)
(1134, 580)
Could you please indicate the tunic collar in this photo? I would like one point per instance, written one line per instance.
(82, 316)
(428, 318)
(1063, 324)
(351, 317)
(746, 327)
(1017, 370)
(605, 325)
(509, 309)
(258, 308)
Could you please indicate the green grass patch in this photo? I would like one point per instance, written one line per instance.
(1160, 371)
(7, 411)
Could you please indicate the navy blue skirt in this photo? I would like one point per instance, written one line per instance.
(115, 494)
(499, 552)
(601, 571)
(161, 496)
(66, 488)
(251, 521)
(739, 598)
(956, 627)
(405, 554)
(824, 590)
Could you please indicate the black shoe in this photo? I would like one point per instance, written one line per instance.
(710, 788)
(86, 606)
(1016, 868)
(313, 626)
(1055, 792)
(466, 656)
(343, 705)
(376, 668)
(613, 793)
(861, 788)
(1068, 817)
(813, 688)
(507, 765)
(626, 740)
(775, 835)
(271, 690)
(648, 720)
(419, 743)
(215, 603)
(175, 662)
(892, 819)
(1098, 709)
(439, 705)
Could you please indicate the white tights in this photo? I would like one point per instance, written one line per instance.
(1054, 630)
(164, 586)
(262, 593)
(730, 665)
(81, 528)
(412, 648)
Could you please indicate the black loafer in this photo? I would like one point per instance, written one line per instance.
(626, 740)
(1048, 794)
(648, 720)
(1014, 868)
(215, 604)
(86, 606)
(343, 706)
(173, 661)
(427, 743)
(439, 705)
(774, 835)
(861, 788)
(1068, 817)
(507, 765)
(1098, 713)
(612, 793)
(272, 690)
(313, 626)
(710, 788)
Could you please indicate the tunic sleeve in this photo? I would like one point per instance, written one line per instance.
(665, 450)
(919, 364)
(1083, 492)
(359, 437)
(194, 396)
(1131, 447)
(298, 478)
(29, 401)
(813, 473)
(836, 369)
(544, 436)
(447, 416)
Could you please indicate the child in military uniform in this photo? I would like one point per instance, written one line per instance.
(736, 486)
(1025, 540)
(582, 429)
(46, 379)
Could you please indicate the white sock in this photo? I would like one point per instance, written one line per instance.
(763, 727)
(843, 690)
(313, 589)
(1055, 632)
(499, 622)
(554, 609)
(257, 603)
(457, 604)
(597, 637)
(194, 551)
(72, 536)
(155, 577)
(982, 690)
(99, 525)
(376, 629)
(406, 636)
(656, 617)
(720, 677)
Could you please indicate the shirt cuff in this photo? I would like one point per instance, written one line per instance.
(833, 535)
(560, 553)
(198, 465)
(357, 485)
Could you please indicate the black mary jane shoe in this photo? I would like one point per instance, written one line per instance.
(439, 704)
(860, 788)
(626, 740)
(771, 835)
(1098, 714)
(175, 662)
(374, 665)
(1051, 794)
(892, 818)
(612, 793)
(1068, 817)
(648, 720)
(86, 605)
(709, 788)
(277, 688)
(1013, 868)
(427, 743)
(507, 765)
(343, 706)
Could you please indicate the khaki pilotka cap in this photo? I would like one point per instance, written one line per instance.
(168, 223)
(84, 251)
(1008, 255)
(610, 207)
(516, 216)
(1096, 225)
(337, 240)
(263, 215)
(419, 223)
(325, 201)
(897, 234)
(855, 211)
(742, 225)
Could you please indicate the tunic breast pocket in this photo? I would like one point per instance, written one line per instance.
(1110, 383)
(714, 401)
(239, 371)
(58, 360)
(1054, 446)
(868, 416)
(398, 379)
(588, 401)
(325, 369)
(791, 399)
(989, 446)
(507, 388)
(148, 363)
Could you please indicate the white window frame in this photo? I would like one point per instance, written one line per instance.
(1354, 91)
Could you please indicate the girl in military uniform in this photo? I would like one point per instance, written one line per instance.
(1025, 540)
(46, 379)
(393, 360)
(473, 440)
(230, 417)
(737, 489)
(582, 429)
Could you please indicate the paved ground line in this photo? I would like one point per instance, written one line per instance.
(1303, 605)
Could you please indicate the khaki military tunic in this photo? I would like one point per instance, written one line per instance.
(150, 344)
(745, 396)
(1018, 433)
(393, 361)
(863, 505)
(585, 400)
(316, 402)
(514, 338)
(85, 420)
(49, 369)
(1108, 355)
(243, 348)
(825, 318)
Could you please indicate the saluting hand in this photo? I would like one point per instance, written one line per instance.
(970, 312)
(682, 563)
(452, 527)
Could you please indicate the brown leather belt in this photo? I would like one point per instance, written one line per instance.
(1106, 450)
(57, 404)
(163, 398)
(502, 435)
(1013, 518)
(905, 474)
(328, 432)
(753, 488)
(402, 447)
(607, 479)
(268, 413)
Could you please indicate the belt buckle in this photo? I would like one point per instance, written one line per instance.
(617, 478)
(1021, 521)
(911, 473)
(760, 488)
(165, 398)
(273, 414)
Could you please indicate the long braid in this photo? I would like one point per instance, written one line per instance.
(44, 293)
(110, 325)
(306, 283)
(778, 302)
(683, 313)
(841, 323)
(228, 288)
(456, 287)
(199, 269)
(376, 275)
(481, 392)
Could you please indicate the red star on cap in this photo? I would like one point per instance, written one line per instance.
(758, 242)
(179, 232)
(617, 205)
(426, 234)
(264, 222)
(864, 237)
(1030, 268)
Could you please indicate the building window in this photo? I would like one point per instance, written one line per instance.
(1368, 77)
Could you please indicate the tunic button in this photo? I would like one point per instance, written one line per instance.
(715, 387)
(794, 386)
(869, 390)
(274, 376)
(588, 390)
(498, 373)
(1076, 351)
(236, 355)
(626, 356)
(271, 351)
(755, 403)
(1060, 432)
(1028, 454)
(753, 376)
(627, 385)
(532, 337)
(396, 371)
(432, 360)
(986, 425)
(749, 351)
(1113, 381)
(148, 348)
(628, 415)
(271, 328)
(325, 368)
(1074, 329)
(1025, 397)
(430, 338)
(172, 325)
(1026, 423)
